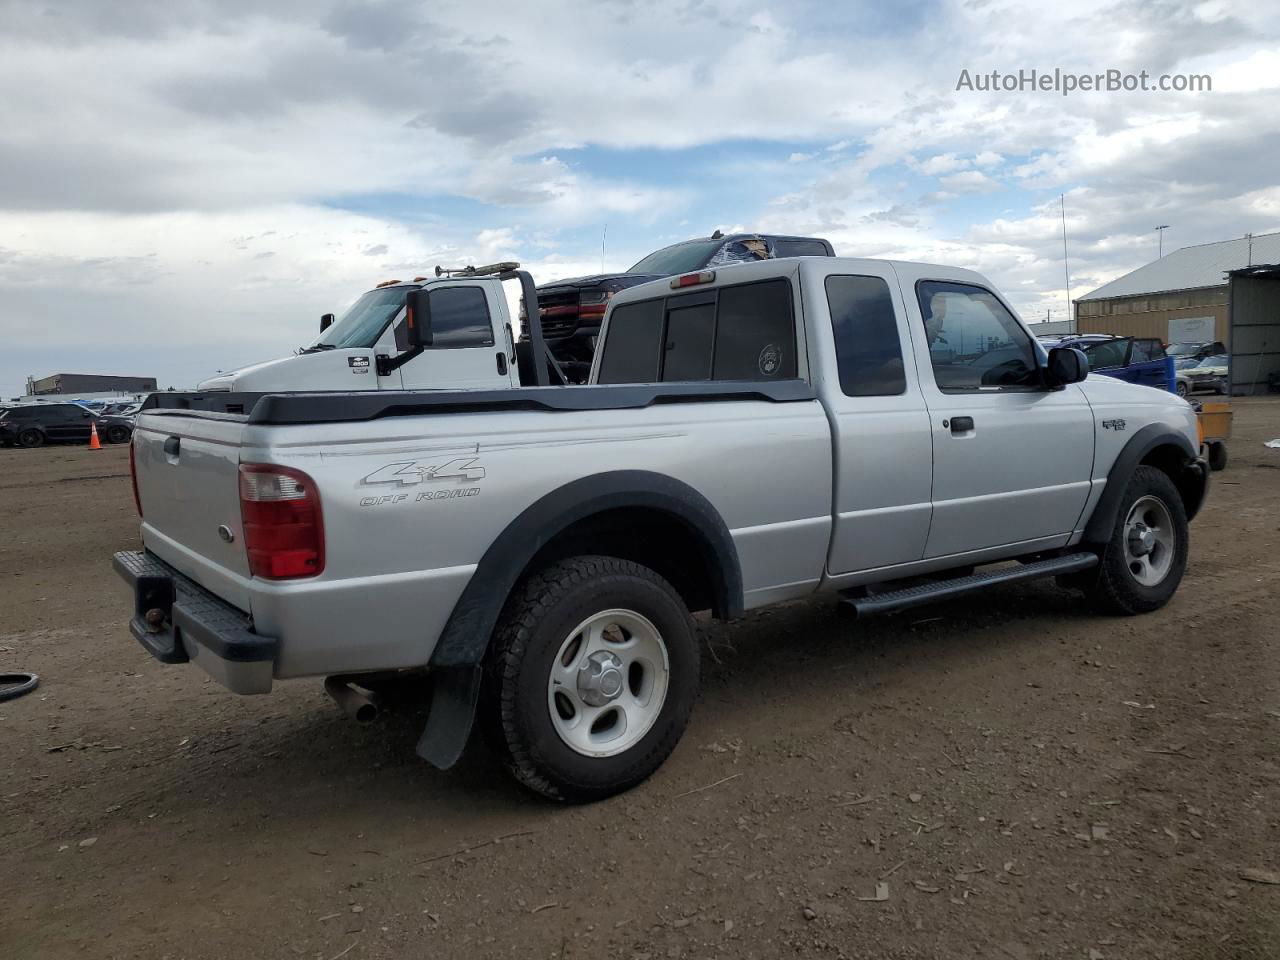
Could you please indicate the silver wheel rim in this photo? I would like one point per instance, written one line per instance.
(1149, 541)
(608, 683)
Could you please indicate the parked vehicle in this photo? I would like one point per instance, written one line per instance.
(1195, 351)
(751, 434)
(371, 346)
(1140, 360)
(573, 309)
(34, 425)
(1210, 373)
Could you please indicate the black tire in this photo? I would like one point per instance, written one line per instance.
(537, 620)
(1114, 588)
(1217, 455)
(30, 438)
(117, 435)
(1183, 389)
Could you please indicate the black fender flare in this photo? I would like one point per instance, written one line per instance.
(459, 653)
(1102, 522)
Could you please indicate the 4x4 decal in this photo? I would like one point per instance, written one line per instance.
(411, 472)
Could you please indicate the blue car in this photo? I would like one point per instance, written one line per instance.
(1132, 359)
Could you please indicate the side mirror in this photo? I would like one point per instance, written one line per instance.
(326, 321)
(1067, 365)
(418, 318)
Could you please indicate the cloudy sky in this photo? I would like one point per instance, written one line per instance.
(186, 185)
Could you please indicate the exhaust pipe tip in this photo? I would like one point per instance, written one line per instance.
(361, 706)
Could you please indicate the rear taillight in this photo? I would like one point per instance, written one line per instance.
(133, 472)
(283, 527)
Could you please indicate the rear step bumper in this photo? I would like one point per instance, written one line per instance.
(176, 620)
(946, 589)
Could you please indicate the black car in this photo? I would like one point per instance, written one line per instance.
(571, 310)
(37, 424)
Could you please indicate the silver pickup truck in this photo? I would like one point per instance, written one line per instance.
(887, 432)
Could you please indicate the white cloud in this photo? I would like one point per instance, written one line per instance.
(178, 168)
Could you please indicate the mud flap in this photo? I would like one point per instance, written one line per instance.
(453, 711)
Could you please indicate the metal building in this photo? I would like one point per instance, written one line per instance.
(1255, 329)
(1180, 298)
(69, 384)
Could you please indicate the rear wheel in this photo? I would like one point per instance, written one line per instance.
(1143, 562)
(30, 438)
(591, 679)
(117, 434)
(1182, 389)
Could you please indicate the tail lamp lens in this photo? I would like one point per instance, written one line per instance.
(283, 525)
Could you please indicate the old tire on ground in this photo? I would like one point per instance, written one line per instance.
(30, 438)
(591, 678)
(117, 434)
(1142, 564)
(1217, 455)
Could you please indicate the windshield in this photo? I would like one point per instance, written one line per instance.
(1183, 349)
(364, 322)
(1219, 361)
(678, 258)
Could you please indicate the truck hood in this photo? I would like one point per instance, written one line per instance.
(351, 369)
(613, 280)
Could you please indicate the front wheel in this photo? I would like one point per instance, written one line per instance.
(1182, 389)
(30, 438)
(591, 678)
(1142, 564)
(117, 434)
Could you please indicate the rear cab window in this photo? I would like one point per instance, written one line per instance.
(744, 331)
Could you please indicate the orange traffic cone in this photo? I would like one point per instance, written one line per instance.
(94, 443)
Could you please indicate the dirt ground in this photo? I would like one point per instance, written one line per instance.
(1006, 776)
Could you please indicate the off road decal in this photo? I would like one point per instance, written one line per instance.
(1117, 425)
(407, 473)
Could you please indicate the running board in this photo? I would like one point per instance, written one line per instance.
(946, 589)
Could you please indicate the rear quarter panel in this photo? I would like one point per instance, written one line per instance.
(411, 504)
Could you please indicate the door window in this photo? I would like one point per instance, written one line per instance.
(868, 351)
(1107, 355)
(974, 341)
(460, 318)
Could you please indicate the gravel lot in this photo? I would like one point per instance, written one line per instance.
(1007, 776)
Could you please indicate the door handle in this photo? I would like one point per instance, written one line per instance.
(502, 364)
(960, 424)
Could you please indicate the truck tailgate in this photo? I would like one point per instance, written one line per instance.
(188, 484)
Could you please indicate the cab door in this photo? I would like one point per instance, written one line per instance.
(883, 444)
(1012, 459)
(469, 349)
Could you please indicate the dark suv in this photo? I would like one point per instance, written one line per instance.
(37, 424)
(571, 310)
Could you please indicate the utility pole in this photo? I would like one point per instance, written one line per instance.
(1249, 237)
(1066, 270)
(1160, 233)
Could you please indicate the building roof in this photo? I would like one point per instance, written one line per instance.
(1205, 265)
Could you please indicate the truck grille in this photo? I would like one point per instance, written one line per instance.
(558, 310)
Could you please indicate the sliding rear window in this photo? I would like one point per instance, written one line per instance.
(741, 332)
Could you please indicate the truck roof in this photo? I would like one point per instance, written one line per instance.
(907, 270)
